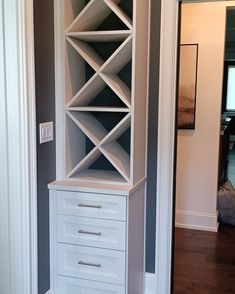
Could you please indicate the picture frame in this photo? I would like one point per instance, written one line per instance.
(187, 91)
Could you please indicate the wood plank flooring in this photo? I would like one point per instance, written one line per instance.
(204, 261)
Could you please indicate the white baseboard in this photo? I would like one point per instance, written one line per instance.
(150, 282)
(196, 221)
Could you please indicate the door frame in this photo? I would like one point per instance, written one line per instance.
(18, 26)
(18, 124)
(166, 147)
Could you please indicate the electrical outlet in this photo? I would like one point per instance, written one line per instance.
(46, 132)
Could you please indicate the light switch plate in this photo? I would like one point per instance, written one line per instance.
(46, 132)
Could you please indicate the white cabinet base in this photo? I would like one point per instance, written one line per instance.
(97, 253)
(67, 285)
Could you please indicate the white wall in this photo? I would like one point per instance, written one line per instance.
(197, 157)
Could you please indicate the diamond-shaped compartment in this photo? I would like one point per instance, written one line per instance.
(94, 14)
(106, 72)
(106, 143)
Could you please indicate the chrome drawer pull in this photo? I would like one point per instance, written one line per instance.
(89, 264)
(89, 233)
(90, 206)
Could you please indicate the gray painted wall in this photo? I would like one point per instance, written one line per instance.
(45, 102)
(45, 111)
(152, 144)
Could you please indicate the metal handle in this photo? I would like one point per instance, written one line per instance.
(89, 206)
(89, 233)
(89, 263)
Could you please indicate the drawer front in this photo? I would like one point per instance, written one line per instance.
(66, 285)
(91, 205)
(95, 264)
(91, 232)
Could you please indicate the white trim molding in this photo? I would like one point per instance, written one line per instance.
(19, 148)
(196, 221)
(150, 283)
(166, 143)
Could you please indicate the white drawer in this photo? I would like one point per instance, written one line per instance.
(95, 264)
(66, 285)
(91, 205)
(91, 232)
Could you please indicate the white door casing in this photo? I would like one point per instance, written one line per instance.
(166, 143)
(18, 175)
(18, 227)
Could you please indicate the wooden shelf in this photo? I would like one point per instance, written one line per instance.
(118, 87)
(90, 17)
(118, 11)
(119, 158)
(91, 127)
(94, 13)
(119, 58)
(98, 109)
(85, 162)
(118, 130)
(88, 92)
(100, 36)
(100, 176)
(87, 53)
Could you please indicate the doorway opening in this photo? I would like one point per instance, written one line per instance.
(203, 258)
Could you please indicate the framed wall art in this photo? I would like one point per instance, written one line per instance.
(187, 86)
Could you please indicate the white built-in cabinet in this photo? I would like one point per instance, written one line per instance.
(97, 203)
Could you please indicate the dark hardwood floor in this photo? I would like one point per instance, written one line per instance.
(204, 261)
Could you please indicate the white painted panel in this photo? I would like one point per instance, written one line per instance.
(85, 95)
(119, 158)
(118, 130)
(150, 280)
(119, 58)
(89, 125)
(73, 70)
(75, 143)
(98, 205)
(90, 158)
(139, 88)
(71, 9)
(136, 241)
(90, 17)
(86, 51)
(91, 232)
(91, 263)
(118, 87)
(117, 10)
(76, 286)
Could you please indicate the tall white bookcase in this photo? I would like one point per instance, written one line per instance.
(97, 203)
